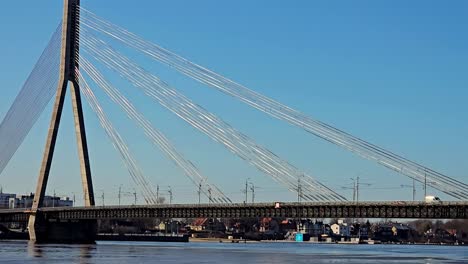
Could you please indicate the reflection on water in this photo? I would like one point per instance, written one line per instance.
(118, 252)
(34, 250)
(86, 252)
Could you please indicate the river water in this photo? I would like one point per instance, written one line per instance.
(199, 252)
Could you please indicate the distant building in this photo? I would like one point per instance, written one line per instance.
(207, 224)
(392, 232)
(199, 224)
(309, 227)
(383, 232)
(288, 225)
(170, 227)
(26, 201)
(401, 231)
(341, 229)
(267, 224)
(363, 232)
(5, 200)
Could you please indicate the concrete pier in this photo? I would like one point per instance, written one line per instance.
(43, 230)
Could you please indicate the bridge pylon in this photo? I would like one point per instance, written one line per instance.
(41, 229)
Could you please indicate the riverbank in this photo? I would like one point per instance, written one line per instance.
(225, 240)
(187, 238)
(221, 240)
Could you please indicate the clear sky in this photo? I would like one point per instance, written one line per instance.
(390, 72)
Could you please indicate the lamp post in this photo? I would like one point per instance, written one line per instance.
(246, 190)
(53, 199)
(299, 188)
(120, 193)
(252, 188)
(199, 192)
(102, 197)
(356, 184)
(74, 198)
(135, 196)
(170, 194)
(157, 194)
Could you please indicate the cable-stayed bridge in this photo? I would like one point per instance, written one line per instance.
(73, 57)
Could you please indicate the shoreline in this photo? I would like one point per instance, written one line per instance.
(238, 241)
(234, 241)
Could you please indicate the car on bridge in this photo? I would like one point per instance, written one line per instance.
(432, 199)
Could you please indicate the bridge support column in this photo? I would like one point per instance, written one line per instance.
(42, 229)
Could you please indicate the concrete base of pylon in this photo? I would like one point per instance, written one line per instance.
(55, 231)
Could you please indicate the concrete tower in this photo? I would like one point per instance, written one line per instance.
(39, 228)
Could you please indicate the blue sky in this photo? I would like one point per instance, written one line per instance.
(390, 72)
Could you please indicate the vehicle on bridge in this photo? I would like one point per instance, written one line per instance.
(432, 199)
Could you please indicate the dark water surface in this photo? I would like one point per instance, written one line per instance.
(198, 252)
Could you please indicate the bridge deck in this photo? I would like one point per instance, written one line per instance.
(397, 209)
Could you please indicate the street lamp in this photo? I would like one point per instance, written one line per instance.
(252, 188)
(356, 185)
(299, 188)
(170, 194)
(246, 190)
(120, 193)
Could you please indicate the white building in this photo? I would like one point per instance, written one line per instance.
(309, 227)
(341, 229)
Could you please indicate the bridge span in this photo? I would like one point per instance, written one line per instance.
(395, 209)
(62, 66)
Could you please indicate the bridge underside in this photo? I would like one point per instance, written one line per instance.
(409, 210)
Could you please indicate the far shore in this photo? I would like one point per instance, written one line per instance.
(241, 241)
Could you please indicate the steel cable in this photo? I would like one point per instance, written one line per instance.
(183, 108)
(156, 136)
(367, 150)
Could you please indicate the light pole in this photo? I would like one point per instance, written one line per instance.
(53, 199)
(170, 194)
(299, 189)
(74, 199)
(356, 185)
(425, 185)
(209, 195)
(357, 189)
(102, 197)
(252, 188)
(120, 193)
(354, 189)
(157, 194)
(246, 190)
(199, 192)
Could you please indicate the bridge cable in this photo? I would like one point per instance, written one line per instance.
(266, 157)
(118, 143)
(156, 136)
(455, 194)
(221, 130)
(166, 52)
(31, 101)
(277, 110)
